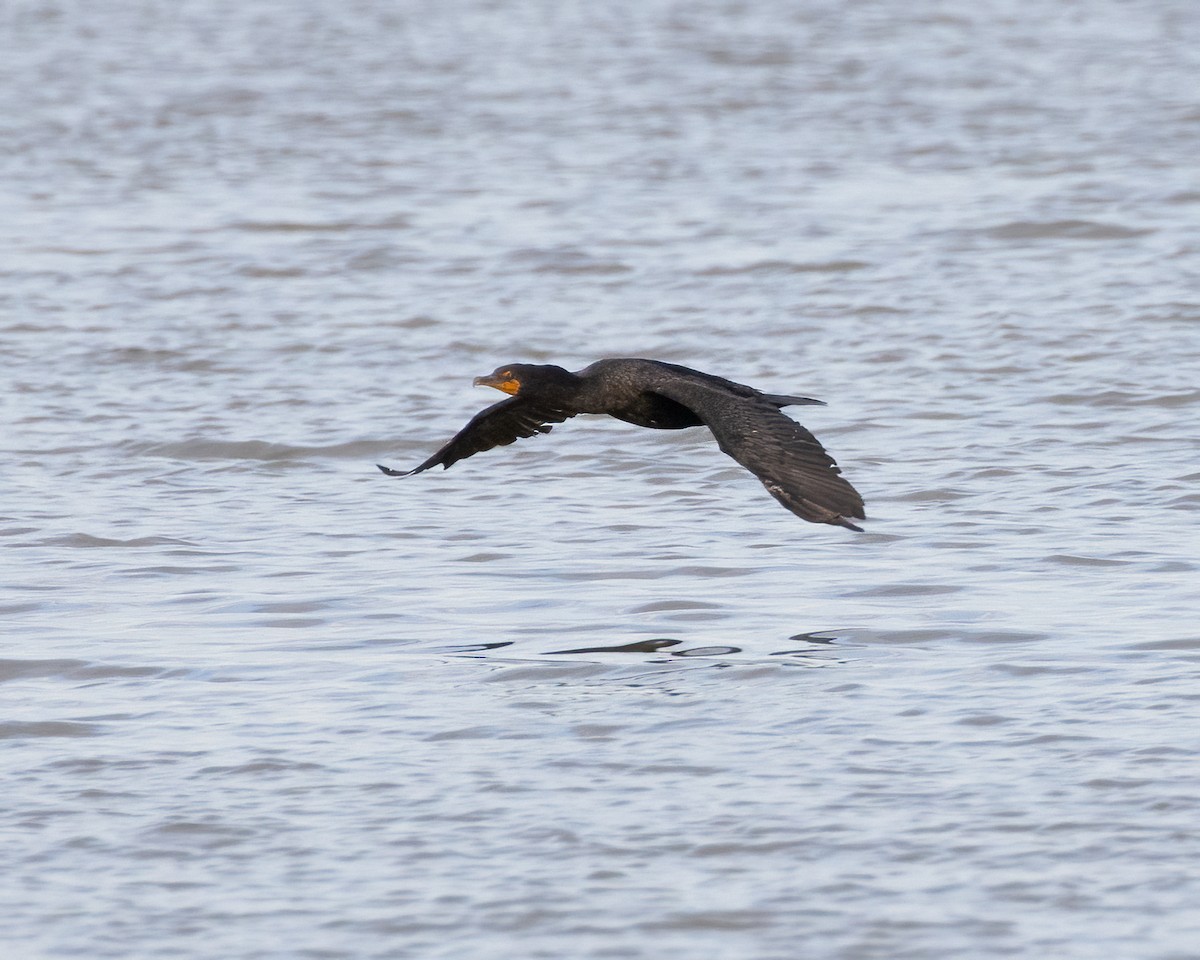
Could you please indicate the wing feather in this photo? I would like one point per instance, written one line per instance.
(787, 458)
(495, 426)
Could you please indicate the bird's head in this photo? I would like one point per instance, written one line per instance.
(527, 378)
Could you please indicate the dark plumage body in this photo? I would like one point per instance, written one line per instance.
(746, 423)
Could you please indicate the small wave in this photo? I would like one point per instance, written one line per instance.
(1072, 560)
(1170, 400)
(185, 293)
(87, 540)
(660, 606)
(396, 222)
(1063, 230)
(271, 273)
(907, 590)
(757, 55)
(263, 450)
(1123, 398)
(22, 730)
(138, 356)
(291, 226)
(265, 767)
(957, 633)
(67, 669)
(596, 267)
(566, 261)
(1175, 643)
(784, 266)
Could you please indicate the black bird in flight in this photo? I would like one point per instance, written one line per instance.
(747, 424)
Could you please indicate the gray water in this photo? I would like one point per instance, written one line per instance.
(596, 694)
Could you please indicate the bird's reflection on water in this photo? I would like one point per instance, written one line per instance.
(816, 649)
(638, 646)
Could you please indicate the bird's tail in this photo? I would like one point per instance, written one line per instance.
(782, 400)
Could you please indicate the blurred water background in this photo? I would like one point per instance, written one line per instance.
(596, 694)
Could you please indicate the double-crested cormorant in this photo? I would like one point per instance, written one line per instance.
(747, 424)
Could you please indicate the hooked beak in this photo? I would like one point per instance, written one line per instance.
(509, 386)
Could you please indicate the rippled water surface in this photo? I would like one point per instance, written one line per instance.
(596, 694)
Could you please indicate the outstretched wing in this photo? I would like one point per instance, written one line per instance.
(496, 426)
(789, 460)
